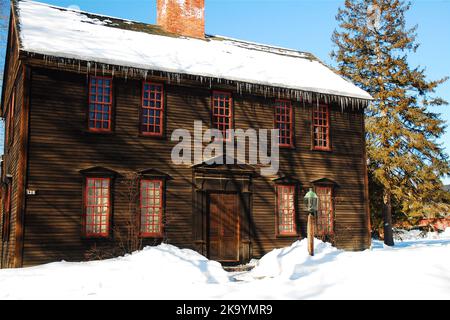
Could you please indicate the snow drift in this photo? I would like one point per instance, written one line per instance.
(154, 270)
(291, 262)
(418, 268)
(404, 235)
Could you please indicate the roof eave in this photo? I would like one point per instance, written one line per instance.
(125, 71)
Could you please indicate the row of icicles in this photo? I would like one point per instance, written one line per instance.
(241, 87)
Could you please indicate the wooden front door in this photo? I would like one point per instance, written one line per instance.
(224, 227)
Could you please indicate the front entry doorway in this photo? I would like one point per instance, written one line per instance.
(224, 227)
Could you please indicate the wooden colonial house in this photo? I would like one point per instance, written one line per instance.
(90, 101)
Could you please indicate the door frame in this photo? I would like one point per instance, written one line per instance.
(218, 180)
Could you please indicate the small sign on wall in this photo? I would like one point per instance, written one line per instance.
(31, 192)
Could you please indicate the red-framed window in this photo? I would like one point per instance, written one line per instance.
(321, 127)
(152, 111)
(97, 207)
(284, 122)
(286, 210)
(324, 219)
(100, 104)
(222, 111)
(151, 205)
(7, 214)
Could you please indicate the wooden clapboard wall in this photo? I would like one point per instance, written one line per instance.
(14, 158)
(60, 146)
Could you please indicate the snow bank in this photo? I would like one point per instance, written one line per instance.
(414, 269)
(413, 235)
(411, 270)
(146, 274)
(65, 33)
(446, 234)
(292, 261)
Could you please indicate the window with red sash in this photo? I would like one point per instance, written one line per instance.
(321, 127)
(284, 122)
(222, 111)
(152, 111)
(100, 104)
(286, 210)
(7, 214)
(324, 219)
(97, 207)
(151, 204)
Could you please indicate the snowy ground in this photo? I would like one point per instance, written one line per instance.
(417, 268)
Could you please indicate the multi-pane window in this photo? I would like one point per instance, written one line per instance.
(151, 203)
(222, 111)
(7, 214)
(100, 103)
(152, 113)
(97, 207)
(324, 218)
(284, 121)
(286, 210)
(321, 127)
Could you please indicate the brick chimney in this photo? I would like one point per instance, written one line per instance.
(185, 17)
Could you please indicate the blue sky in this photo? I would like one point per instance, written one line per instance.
(300, 24)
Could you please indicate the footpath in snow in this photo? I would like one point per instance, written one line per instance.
(417, 268)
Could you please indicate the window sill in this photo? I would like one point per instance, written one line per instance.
(96, 238)
(322, 150)
(151, 236)
(152, 136)
(288, 236)
(99, 133)
(287, 147)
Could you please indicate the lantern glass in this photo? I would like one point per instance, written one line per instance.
(311, 201)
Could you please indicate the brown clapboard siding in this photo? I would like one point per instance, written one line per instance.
(107, 150)
(60, 146)
(12, 62)
(10, 154)
(13, 161)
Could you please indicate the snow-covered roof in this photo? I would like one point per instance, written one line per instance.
(65, 33)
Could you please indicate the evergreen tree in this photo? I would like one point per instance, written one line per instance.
(372, 44)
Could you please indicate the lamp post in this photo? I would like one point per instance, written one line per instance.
(311, 203)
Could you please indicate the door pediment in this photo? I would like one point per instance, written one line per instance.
(224, 163)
